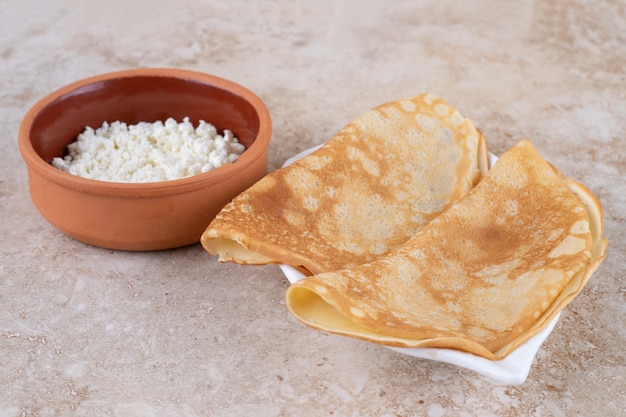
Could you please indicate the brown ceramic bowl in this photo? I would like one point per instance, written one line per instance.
(141, 216)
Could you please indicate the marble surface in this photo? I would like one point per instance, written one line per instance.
(91, 332)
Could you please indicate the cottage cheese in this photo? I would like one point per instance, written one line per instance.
(148, 152)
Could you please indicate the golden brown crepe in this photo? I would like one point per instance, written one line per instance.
(363, 193)
(483, 277)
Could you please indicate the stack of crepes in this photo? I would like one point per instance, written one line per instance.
(409, 240)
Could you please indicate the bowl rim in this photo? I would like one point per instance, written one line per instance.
(147, 189)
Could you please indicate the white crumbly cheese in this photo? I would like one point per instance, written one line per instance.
(148, 152)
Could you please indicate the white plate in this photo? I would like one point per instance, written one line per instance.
(512, 370)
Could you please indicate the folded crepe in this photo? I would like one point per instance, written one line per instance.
(362, 194)
(483, 277)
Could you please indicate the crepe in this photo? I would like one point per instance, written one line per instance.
(483, 277)
(365, 192)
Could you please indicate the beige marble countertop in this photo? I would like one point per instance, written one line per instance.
(92, 332)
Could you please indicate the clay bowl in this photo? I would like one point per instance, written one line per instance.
(141, 216)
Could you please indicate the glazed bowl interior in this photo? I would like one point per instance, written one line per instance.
(139, 99)
(141, 216)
